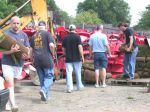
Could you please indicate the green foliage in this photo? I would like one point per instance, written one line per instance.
(110, 11)
(9, 6)
(5, 9)
(64, 17)
(60, 16)
(144, 22)
(130, 98)
(52, 5)
(87, 18)
(26, 10)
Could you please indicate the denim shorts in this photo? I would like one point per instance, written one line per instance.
(100, 60)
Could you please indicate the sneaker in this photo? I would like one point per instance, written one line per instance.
(69, 91)
(14, 109)
(43, 96)
(80, 89)
(96, 85)
(103, 86)
(7, 107)
(124, 77)
(129, 79)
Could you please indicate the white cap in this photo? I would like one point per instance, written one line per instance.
(101, 27)
(72, 27)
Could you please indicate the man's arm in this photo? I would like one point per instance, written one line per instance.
(90, 51)
(7, 52)
(130, 44)
(31, 54)
(131, 34)
(27, 56)
(64, 51)
(52, 48)
(81, 52)
(108, 50)
(107, 45)
(27, 44)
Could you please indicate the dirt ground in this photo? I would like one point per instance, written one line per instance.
(109, 99)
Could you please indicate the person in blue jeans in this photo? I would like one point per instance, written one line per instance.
(73, 50)
(131, 51)
(41, 44)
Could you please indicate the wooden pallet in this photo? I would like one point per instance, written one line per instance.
(135, 82)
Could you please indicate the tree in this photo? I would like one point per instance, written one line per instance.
(52, 5)
(59, 15)
(5, 9)
(110, 11)
(87, 18)
(64, 17)
(26, 10)
(8, 6)
(144, 22)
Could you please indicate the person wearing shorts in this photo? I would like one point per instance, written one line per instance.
(98, 44)
(12, 69)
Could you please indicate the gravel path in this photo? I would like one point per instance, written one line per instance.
(109, 99)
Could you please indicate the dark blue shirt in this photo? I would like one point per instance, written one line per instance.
(41, 49)
(22, 38)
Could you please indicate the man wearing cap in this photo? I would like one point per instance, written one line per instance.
(98, 44)
(73, 50)
(41, 44)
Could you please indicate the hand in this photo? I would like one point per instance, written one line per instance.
(109, 55)
(25, 56)
(128, 50)
(82, 59)
(15, 48)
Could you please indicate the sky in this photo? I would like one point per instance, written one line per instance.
(136, 7)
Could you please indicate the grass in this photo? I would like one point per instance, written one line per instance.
(130, 97)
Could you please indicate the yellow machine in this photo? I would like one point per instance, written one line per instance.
(39, 9)
(39, 12)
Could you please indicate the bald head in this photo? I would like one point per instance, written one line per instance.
(15, 18)
(15, 23)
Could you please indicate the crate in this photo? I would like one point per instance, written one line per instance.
(4, 96)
